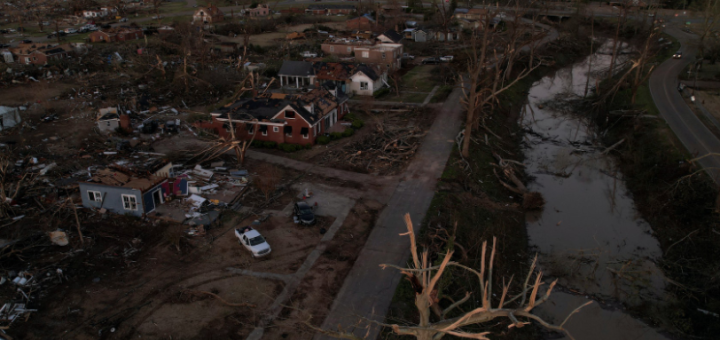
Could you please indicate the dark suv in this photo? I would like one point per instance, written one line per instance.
(304, 212)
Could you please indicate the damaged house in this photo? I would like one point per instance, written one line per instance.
(208, 15)
(347, 77)
(122, 193)
(116, 34)
(39, 54)
(284, 118)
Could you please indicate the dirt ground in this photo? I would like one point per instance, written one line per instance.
(164, 290)
(317, 291)
(274, 38)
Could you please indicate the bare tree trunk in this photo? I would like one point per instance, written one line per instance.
(592, 41)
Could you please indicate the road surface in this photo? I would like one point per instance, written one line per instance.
(694, 135)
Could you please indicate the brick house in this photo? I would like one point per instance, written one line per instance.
(116, 34)
(364, 22)
(330, 9)
(282, 118)
(39, 55)
(384, 54)
(208, 15)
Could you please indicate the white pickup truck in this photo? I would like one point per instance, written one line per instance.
(308, 54)
(253, 241)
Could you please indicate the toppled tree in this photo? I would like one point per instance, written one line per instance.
(434, 321)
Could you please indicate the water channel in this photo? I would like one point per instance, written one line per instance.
(589, 235)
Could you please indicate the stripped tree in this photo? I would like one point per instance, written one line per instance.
(425, 277)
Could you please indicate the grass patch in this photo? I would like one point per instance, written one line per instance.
(442, 93)
(419, 79)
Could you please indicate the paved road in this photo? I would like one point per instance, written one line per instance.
(696, 137)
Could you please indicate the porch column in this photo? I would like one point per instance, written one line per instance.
(297, 82)
(281, 81)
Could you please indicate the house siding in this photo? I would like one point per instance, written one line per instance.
(372, 85)
(112, 198)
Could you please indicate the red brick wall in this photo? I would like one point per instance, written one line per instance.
(278, 137)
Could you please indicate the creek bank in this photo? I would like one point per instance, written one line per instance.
(481, 206)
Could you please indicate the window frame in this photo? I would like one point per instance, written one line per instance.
(366, 54)
(276, 129)
(131, 200)
(96, 196)
(365, 87)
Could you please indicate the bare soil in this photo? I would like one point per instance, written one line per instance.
(313, 298)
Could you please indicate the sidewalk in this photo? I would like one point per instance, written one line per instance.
(368, 290)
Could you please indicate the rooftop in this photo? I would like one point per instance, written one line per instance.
(119, 179)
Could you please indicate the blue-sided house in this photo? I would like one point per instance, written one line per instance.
(124, 194)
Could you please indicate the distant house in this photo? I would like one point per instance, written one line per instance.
(9, 117)
(281, 118)
(39, 54)
(122, 193)
(416, 35)
(296, 74)
(364, 22)
(116, 34)
(390, 36)
(208, 15)
(450, 35)
(330, 9)
(292, 10)
(89, 14)
(366, 52)
(365, 81)
(7, 57)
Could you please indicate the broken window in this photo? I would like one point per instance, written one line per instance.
(288, 130)
(250, 128)
(290, 114)
(129, 202)
(366, 54)
(276, 129)
(383, 55)
(363, 85)
(94, 196)
(304, 132)
(263, 129)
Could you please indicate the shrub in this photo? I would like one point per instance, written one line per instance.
(323, 140)
(270, 145)
(348, 132)
(288, 147)
(357, 124)
(336, 135)
(308, 146)
(382, 92)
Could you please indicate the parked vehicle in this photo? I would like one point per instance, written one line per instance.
(4, 45)
(27, 41)
(304, 213)
(408, 56)
(253, 241)
(308, 54)
(447, 58)
(4, 31)
(70, 30)
(431, 61)
(677, 55)
(125, 19)
(157, 17)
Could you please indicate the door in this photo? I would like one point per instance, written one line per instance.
(157, 197)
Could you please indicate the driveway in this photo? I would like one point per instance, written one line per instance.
(694, 135)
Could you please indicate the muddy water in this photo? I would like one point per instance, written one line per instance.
(589, 235)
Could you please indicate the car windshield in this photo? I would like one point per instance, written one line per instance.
(257, 240)
(305, 211)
